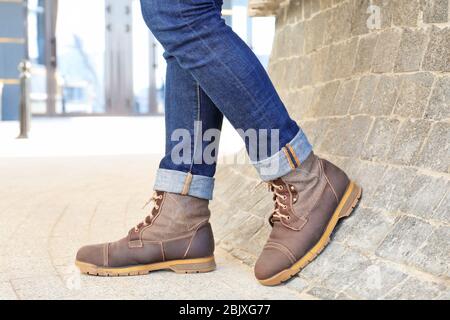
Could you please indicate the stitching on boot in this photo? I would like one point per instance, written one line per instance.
(105, 255)
(283, 249)
(162, 251)
(329, 182)
(135, 244)
(200, 225)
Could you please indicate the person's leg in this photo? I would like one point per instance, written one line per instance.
(193, 125)
(177, 234)
(230, 74)
(310, 194)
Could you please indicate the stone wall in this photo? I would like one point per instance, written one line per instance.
(375, 99)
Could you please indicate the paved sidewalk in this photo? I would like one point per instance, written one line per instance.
(49, 207)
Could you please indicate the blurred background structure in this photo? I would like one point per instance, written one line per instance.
(96, 57)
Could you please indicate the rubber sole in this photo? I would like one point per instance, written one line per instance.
(345, 208)
(201, 265)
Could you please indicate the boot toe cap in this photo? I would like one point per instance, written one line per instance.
(270, 263)
(93, 254)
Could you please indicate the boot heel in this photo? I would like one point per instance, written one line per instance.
(350, 200)
(194, 266)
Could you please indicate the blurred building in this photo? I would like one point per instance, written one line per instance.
(95, 57)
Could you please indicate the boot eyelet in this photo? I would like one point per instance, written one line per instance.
(285, 198)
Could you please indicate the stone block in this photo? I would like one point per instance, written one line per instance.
(339, 24)
(434, 255)
(248, 228)
(385, 97)
(316, 131)
(324, 97)
(442, 212)
(303, 72)
(435, 154)
(322, 293)
(375, 281)
(437, 56)
(439, 106)
(307, 8)
(344, 97)
(315, 32)
(359, 16)
(365, 52)
(435, 11)
(405, 13)
(364, 93)
(414, 94)
(325, 4)
(403, 241)
(390, 189)
(345, 137)
(368, 174)
(344, 270)
(319, 60)
(424, 195)
(347, 53)
(412, 49)
(416, 289)
(301, 104)
(386, 51)
(295, 11)
(364, 229)
(380, 139)
(408, 142)
(298, 284)
(315, 6)
(331, 65)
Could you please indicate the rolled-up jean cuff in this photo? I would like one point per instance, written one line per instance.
(179, 182)
(289, 158)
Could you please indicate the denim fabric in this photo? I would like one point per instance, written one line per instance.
(212, 72)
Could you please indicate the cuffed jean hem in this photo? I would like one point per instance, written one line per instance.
(184, 183)
(286, 160)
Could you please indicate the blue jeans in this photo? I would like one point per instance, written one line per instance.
(212, 73)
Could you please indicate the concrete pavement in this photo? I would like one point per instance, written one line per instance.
(49, 207)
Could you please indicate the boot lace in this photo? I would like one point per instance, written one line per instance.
(278, 198)
(149, 219)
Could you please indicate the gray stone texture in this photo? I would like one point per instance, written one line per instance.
(437, 56)
(386, 50)
(411, 51)
(414, 94)
(439, 106)
(435, 11)
(376, 102)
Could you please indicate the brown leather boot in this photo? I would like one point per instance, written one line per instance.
(176, 236)
(308, 204)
